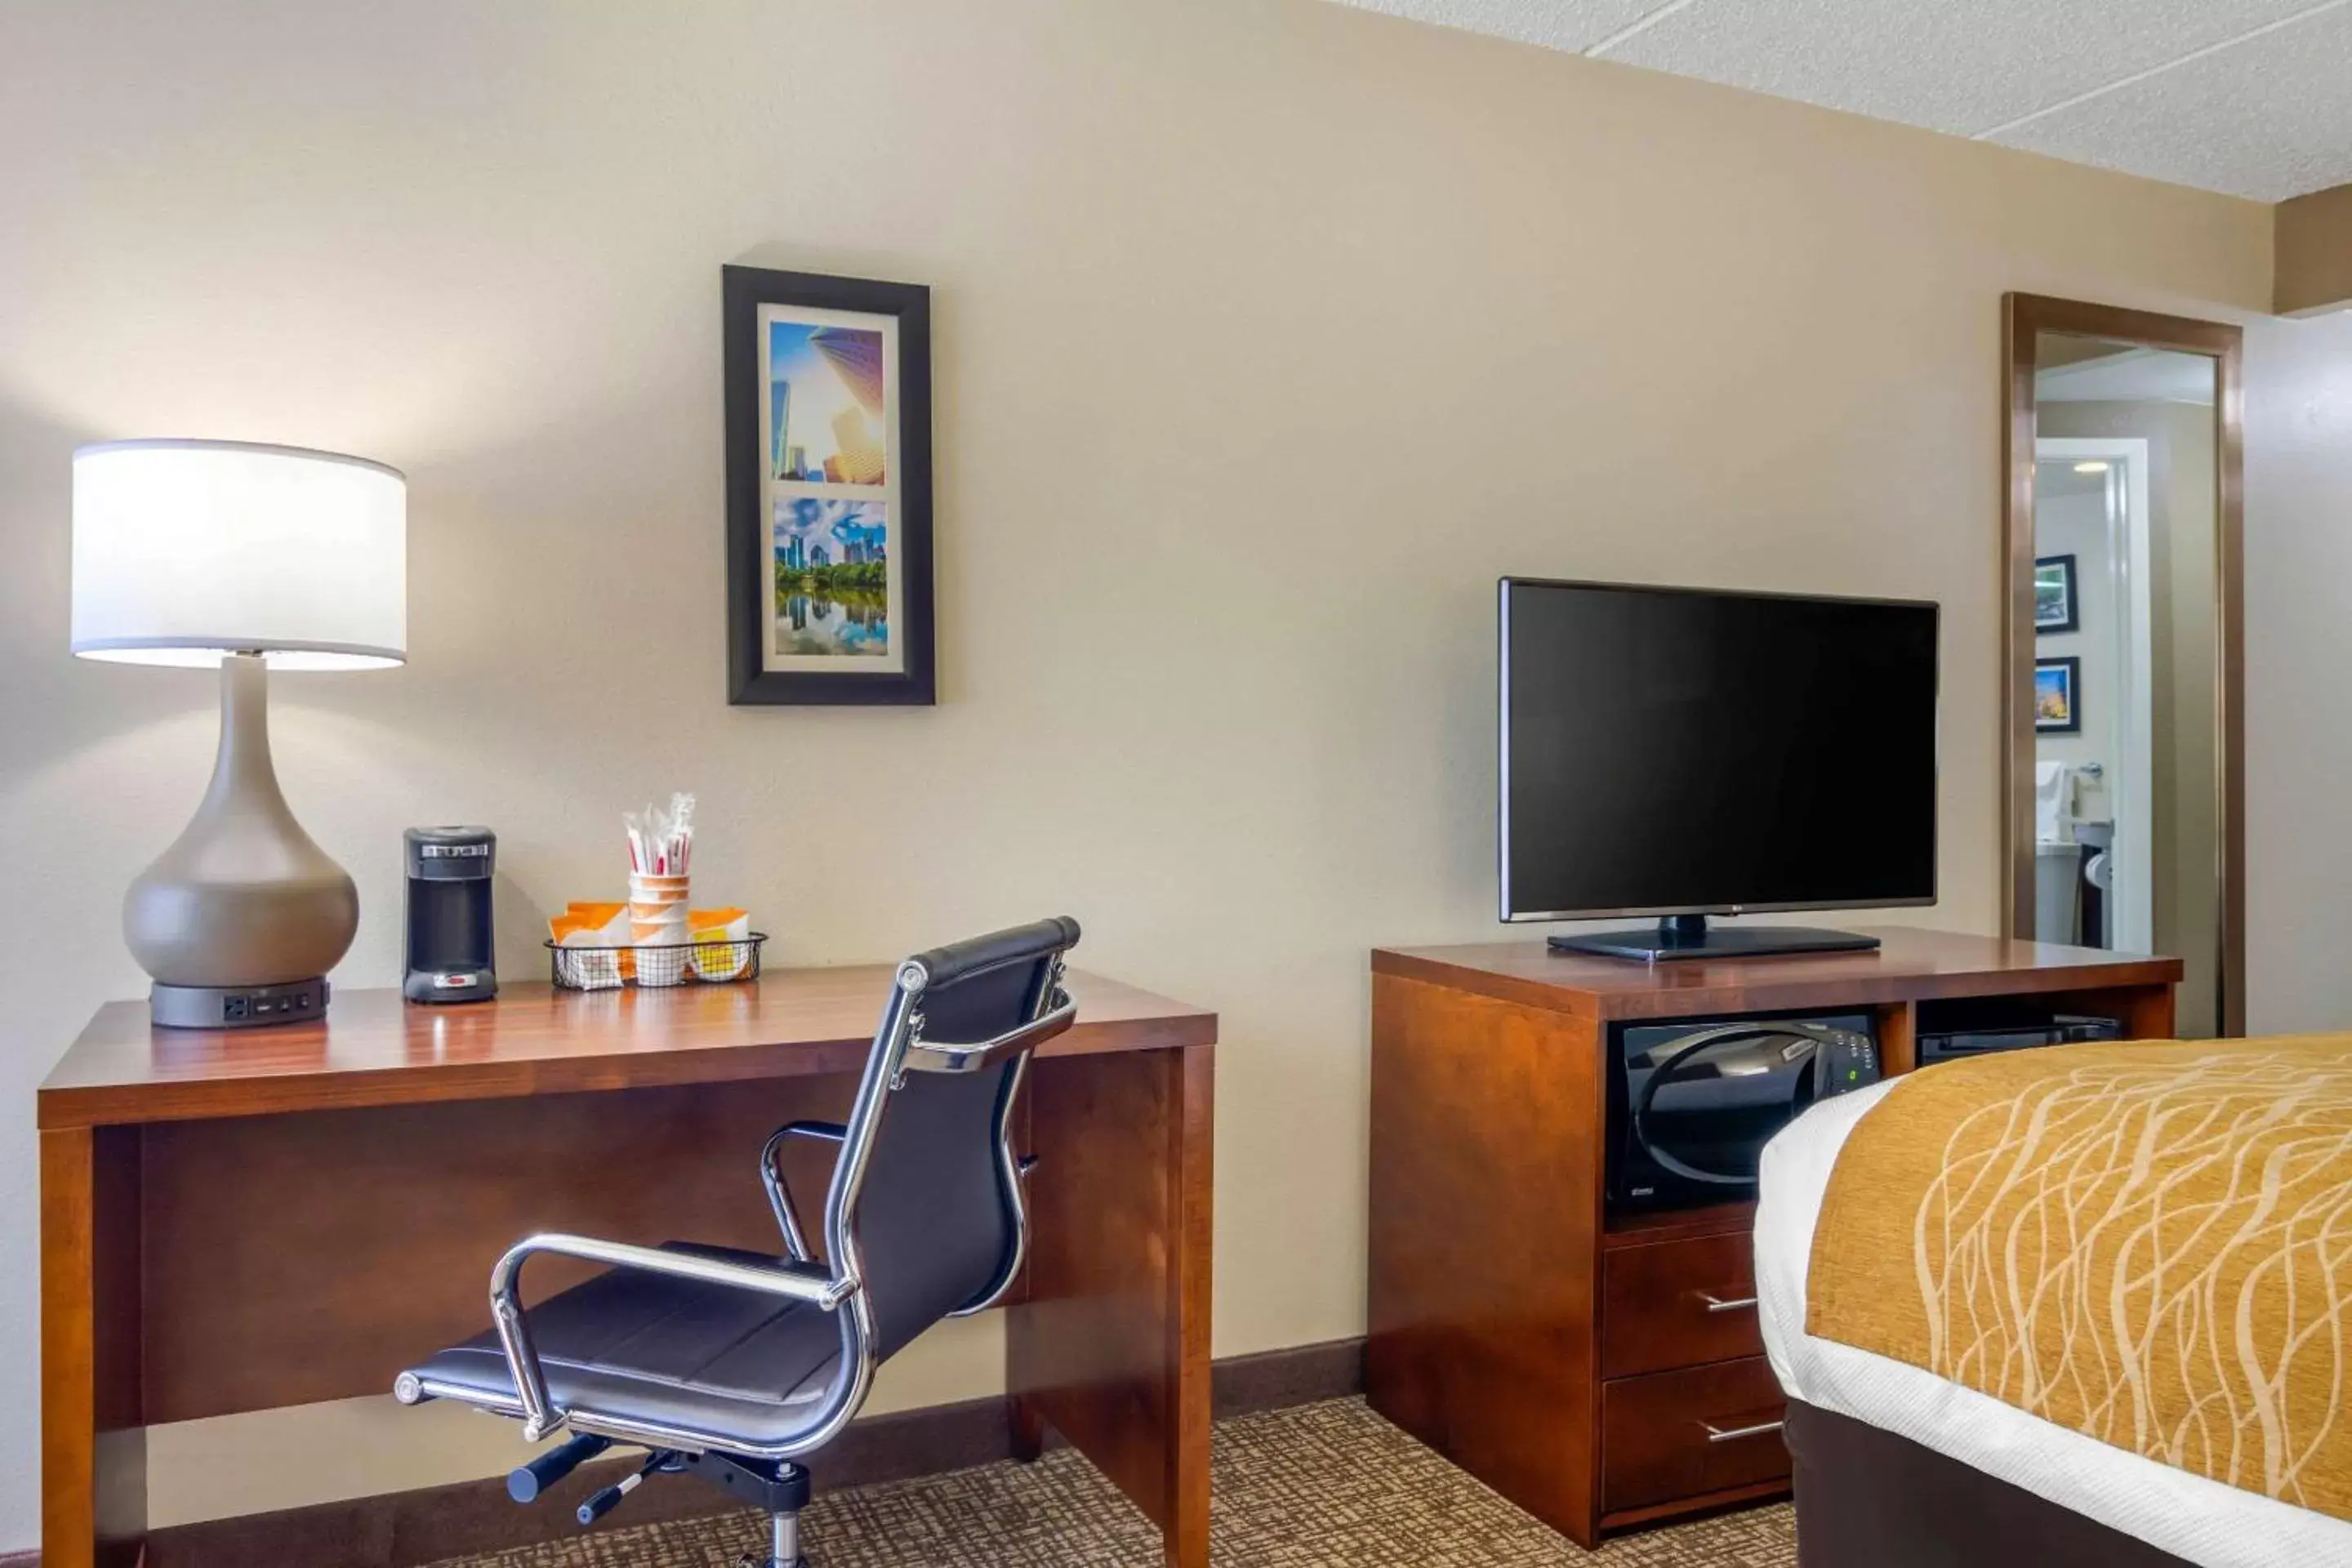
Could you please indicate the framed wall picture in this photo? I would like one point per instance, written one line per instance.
(2057, 699)
(828, 387)
(2055, 609)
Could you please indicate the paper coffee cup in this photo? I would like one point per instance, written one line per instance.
(657, 919)
(657, 899)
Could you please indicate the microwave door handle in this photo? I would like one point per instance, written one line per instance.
(1687, 1047)
(1715, 1034)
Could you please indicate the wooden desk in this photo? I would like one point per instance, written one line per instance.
(1565, 1356)
(239, 1221)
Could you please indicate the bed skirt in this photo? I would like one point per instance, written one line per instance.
(1867, 1498)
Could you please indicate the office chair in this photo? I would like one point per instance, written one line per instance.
(731, 1365)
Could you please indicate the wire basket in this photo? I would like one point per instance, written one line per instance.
(714, 962)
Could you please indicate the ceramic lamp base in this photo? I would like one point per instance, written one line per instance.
(236, 1007)
(243, 904)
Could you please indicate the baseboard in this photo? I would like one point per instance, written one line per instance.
(406, 1530)
(1276, 1380)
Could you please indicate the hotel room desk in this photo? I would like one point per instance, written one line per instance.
(242, 1221)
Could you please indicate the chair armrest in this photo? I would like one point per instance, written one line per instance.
(772, 1176)
(798, 1282)
(935, 1055)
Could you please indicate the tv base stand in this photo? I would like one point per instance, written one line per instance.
(1689, 936)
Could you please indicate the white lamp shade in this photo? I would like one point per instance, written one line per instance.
(184, 551)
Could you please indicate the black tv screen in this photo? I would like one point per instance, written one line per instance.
(1669, 751)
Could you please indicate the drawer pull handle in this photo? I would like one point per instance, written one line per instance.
(1721, 1304)
(1715, 1434)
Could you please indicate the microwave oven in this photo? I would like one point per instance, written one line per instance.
(1692, 1104)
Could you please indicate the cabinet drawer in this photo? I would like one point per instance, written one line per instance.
(1678, 1303)
(1680, 1434)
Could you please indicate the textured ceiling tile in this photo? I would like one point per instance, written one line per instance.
(1576, 25)
(1959, 65)
(2270, 118)
(2267, 117)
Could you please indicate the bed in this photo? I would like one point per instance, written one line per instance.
(1903, 1453)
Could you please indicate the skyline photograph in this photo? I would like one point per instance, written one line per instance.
(831, 577)
(828, 419)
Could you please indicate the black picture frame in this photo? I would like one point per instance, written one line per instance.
(752, 567)
(2070, 617)
(2069, 684)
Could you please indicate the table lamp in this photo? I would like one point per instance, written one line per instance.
(245, 557)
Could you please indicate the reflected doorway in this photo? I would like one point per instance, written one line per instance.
(2094, 774)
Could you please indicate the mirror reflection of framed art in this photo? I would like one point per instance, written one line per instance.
(2057, 701)
(828, 390)
(2054, 608)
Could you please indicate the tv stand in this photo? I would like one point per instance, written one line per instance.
(1607, 1372)
(1689, 936)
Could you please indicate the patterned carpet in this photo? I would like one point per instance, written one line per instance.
(1322, 1486)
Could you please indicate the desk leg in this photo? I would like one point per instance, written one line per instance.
(93, 1483)
(1111, 1346)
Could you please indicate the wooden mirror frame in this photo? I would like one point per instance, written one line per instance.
(2024, 318)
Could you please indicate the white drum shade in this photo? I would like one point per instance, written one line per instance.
(184, 551)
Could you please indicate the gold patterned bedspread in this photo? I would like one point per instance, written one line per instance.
(2147, 1243)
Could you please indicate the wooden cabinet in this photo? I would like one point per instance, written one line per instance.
(1678, 1303)
(1689, 1433)
(1604, 1374)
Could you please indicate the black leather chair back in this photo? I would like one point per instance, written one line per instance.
(935, 1216)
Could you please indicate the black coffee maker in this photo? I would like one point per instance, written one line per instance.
(448, 946)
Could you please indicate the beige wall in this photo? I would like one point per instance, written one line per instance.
(1269, 333)
(2299, 649)
(2313, 237)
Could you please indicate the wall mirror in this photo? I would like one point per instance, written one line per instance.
(2123, 812)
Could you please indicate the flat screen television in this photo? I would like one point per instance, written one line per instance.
(1678, 753)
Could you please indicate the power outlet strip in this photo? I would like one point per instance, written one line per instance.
(239, 1007)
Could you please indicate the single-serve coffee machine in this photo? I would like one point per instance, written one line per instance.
(448, 943)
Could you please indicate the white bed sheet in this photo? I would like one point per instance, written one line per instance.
(2189, 1516)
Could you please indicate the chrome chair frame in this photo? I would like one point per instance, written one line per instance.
(837, 1285)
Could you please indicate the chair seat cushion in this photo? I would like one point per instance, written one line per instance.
(735, 1365)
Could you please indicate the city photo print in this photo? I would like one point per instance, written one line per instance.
(839, 484)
